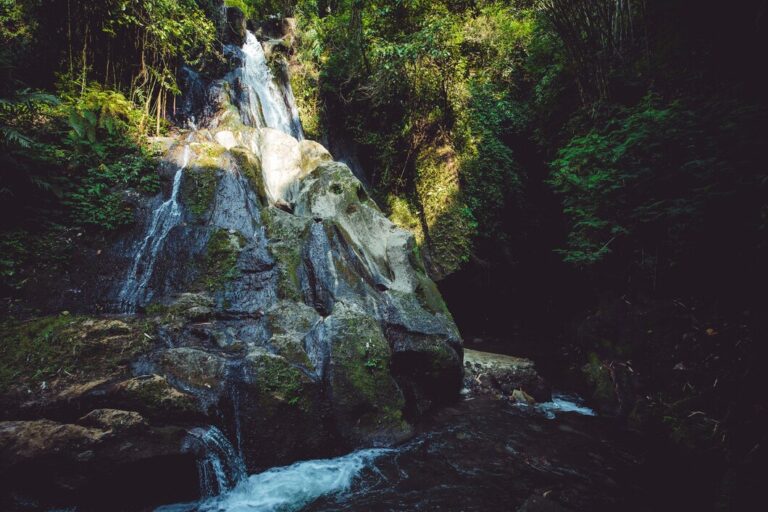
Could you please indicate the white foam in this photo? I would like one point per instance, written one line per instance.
(564, 403)
(287, 488)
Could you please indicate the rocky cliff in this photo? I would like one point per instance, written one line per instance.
(263, 294)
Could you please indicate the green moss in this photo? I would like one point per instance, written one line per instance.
(220, 263)
(443, 358)
(286, 234)
(361, 379)
(447, 219)
(156, 309)
(209, 155)
(278, 380)
(404, 215)
(67, 348)
(291, 349)
(429, 296)
(157, 395)
(305, 83)
(198, 189)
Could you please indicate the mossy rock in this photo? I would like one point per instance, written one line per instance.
(68, 349)
(292, 349)
(286, 235)
(186, 307)
(209, 155)
(220, 260)
(250, 167)
(289, 317)
(278, 381)
(429, 296)
(155, 397)
(366, 400)
(229, 117)
(335, 181)
(193, 368)
(198, 189)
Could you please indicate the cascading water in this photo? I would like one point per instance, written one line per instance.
(219, 465)
(289, 488)
(163, 220)
(265, 103)
(268, 104)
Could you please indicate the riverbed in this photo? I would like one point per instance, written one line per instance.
(479, 454)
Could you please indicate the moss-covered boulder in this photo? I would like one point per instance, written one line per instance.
(48, 354)
(366, 399)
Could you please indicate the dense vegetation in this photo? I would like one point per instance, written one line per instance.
(622, 109)
(556, 160)
(83, 86)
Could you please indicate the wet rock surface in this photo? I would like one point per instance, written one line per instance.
(484, 454)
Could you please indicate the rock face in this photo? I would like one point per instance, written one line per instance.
(271, 298)
(235, 26)
(501, 375)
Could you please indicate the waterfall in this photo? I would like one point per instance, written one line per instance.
(164, 218)
(269, 105)
(219, 466)
(266, 103)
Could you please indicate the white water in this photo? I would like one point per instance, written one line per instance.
(288, 488)
(268, 106)
(564, 403)
(163, 220)
(219, 466)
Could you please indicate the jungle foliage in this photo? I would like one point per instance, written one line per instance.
(622, 111)
(612, 134)
(84, 86)
(546, 154)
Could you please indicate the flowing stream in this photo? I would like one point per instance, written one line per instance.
(219, 465)
(479, 454)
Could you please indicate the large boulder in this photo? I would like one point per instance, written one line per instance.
(47, 462)
(502, 375)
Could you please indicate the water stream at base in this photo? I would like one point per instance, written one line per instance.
(220, 467)
(288, 488)
(479, 454)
